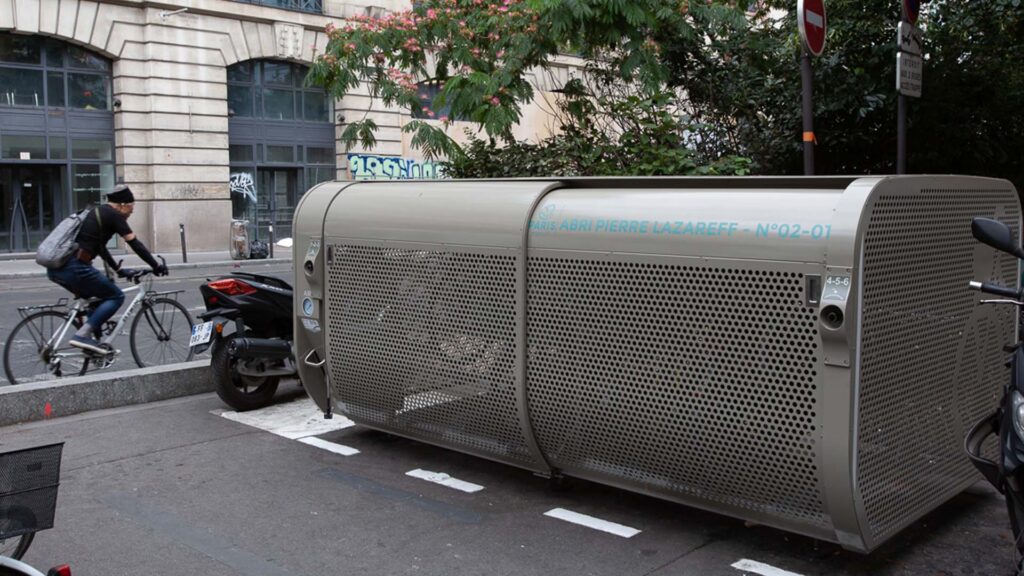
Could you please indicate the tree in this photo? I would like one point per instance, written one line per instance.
(481, 53)
(736, 65)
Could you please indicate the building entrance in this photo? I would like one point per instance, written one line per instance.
(281, 138)
(31, 201)
(276, 195)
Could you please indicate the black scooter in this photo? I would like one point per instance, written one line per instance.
(248, 325)
(1007, 422)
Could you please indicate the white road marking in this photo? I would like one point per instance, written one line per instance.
(444, 480)
(329, 446)
(761, 568)
(591, 522)
(297, 419)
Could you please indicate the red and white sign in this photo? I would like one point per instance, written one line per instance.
(911, 9)
(810, 19)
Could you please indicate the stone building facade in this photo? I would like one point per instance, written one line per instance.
(198, 105)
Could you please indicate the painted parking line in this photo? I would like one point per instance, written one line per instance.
(754, 567)
(329, 446)
(296, 419)
(591, 522)
(444, 480)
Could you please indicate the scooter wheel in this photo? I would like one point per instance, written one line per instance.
(236, 390)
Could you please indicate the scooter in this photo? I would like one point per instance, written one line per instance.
(248, 327)
(1007, 422)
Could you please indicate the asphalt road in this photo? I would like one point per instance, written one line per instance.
(175, 489)
(15, 293)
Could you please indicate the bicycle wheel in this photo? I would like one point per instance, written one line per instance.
(27, 358)
(15, 520)
(160, 333)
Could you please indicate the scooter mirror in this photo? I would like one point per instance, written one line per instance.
(997, 235)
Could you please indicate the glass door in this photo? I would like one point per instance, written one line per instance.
(276, 197)
(30, 204)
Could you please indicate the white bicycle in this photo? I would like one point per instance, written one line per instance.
(38, 348)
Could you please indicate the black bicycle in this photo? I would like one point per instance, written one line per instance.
(29, 479)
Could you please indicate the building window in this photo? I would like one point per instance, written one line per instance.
(37, 72)
(56, 135)
(275, 91)
(428, 91)
(314, 6)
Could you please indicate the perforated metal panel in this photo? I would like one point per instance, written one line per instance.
(423, 343)
(931, 358)
(697, 382)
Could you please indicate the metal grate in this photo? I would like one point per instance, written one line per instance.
(28, 489)
(423, 343)
(932, 360)
(692, 382)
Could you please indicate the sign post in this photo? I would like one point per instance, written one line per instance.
(909, 67)
(812, 24)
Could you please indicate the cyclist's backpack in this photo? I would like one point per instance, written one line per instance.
(59, 245)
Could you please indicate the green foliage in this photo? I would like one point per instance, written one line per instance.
(744, 89)
(738, 72)
(603, 133)
(480, 51)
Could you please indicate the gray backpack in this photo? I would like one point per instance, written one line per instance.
(59, 245)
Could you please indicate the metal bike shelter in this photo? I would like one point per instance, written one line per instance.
(798, 352)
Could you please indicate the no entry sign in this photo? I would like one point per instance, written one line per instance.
(810, 17)
(911, 8)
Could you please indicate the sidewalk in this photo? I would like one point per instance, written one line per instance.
(24, 265)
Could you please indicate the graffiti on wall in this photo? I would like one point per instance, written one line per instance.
(241, 184)
(374, 167)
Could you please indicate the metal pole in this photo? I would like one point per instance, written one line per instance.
(901, 134)
(808, 106)
(271, 240)
(184, 251)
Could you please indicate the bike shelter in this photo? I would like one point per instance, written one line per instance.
(798, 352)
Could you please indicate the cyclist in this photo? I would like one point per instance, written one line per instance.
(81, 279)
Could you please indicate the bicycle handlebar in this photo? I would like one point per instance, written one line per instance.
(138, 276)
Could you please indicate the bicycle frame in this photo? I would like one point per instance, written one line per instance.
(142, 291)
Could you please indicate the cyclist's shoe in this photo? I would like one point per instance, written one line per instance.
(87, 344)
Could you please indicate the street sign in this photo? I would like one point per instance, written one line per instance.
(908, 74)
(811, 22)
(911, 8)
(909, 38)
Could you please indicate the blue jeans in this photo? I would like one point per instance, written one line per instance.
(84, 281)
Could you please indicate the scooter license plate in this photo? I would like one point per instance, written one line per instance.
(201, 334)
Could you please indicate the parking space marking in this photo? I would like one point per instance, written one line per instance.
(370, 486)
(296, 419)
(444, 480)
(591, 522)
(329, 446)
(761, 568)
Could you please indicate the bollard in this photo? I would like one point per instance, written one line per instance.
(271, 255)
(184, 252)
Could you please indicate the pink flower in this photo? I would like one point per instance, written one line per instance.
(495, 101)
(443, 118)
(350, 46)
(500, 53)
(430, 113)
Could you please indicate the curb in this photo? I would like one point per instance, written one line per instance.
(182, 266)
(66, 396)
